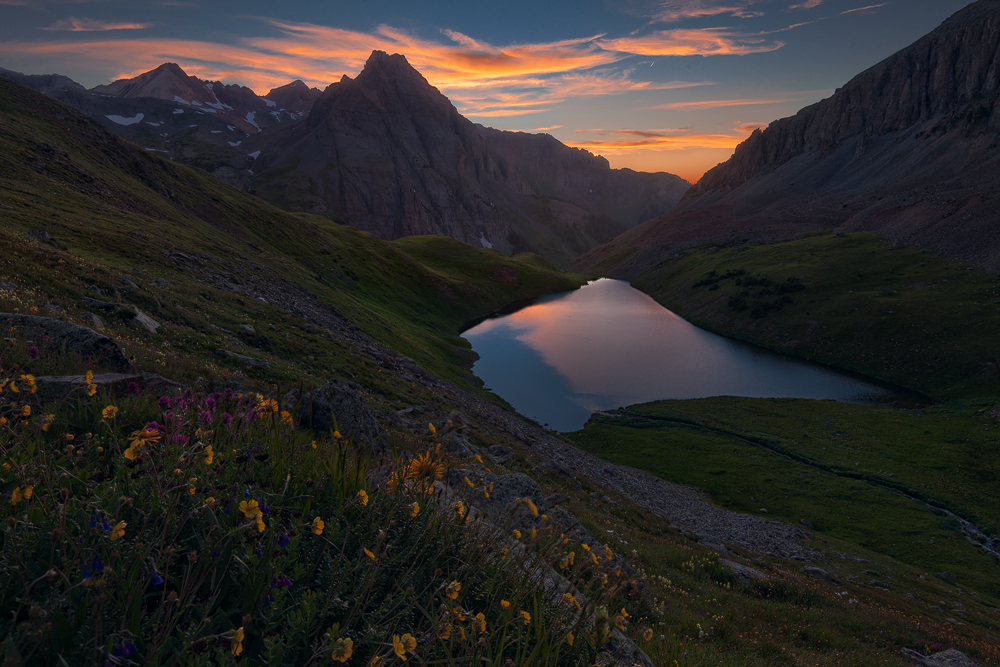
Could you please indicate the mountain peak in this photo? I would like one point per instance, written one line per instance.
(381, 64)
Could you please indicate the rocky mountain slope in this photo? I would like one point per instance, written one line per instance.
(909, 148)
(393, 155)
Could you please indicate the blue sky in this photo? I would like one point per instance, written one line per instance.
(667, 85)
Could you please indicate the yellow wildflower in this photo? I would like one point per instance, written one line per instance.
(26, 411)
(210, 501)
(568, 598)
(647, 634)
(47, 422)
(594, 558)
(91, 389)
(313, 443)
(525, 616)
(6, 466)
(504, 604)
(317, 526)
(109, 412)
(534, 533)
(28, 492)
(517, 534)
(286, 416)
(620, 619)
(452, 590)
(29, 382)
(236, 643)
(69, 436)
(209, 455)
(430, 427)
(398, 648)
(425, 468)
(469, 483)
(89, 377)
(585, 547)
(414, 509)
(16, 496)
(363, 497)
(260, 523)
(343, 649)
(336, 434)
(3, 421)
(13, 387)
(570, 638)
(459, 508)
(249, 508)
(445, 633)
(608, 552)
(531, 506)
(479, 458)
(369, 553)
(461, 634)
(480, 622)
(117, 531)
(409, 642)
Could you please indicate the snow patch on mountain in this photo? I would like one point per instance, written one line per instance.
(269, 103)
(250, 119)
(125, 121)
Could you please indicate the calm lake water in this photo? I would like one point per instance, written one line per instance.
(608, 345)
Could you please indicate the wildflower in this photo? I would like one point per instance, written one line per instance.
(459, 508)
(363, 497)
(237, 641)
(570, 638)
(608, 552)
(6, 466)
(69, 436)
(226, 418)
(133, 388)
(260, 523)
(504, 604)
(480, 622)
(313, 444)
(595, 559)
(91, 389)
(28, 492)
(647, 634)
(249, 508)
(109, 412)
(3, 421)
(156, 578)
(336, 435)
(209, 455)
(368, 553)
(13, 387)
(343, 650)
(517, 534)
(568, 598)
(317, 526)
(430, 427)
(534, 533)
(452, 590)
(531, 507)
(131, 453)
(585, 547)
(621, 619)
(26, 411)
(32, 352)
(525, 616)
(177, 471)
(16, 496)
(210, 501)
(47, 422)
(414, 509)
(29, 382)
(398, 648)
(479, 458)
(409, 642)
(445, 633)
(377, 661)
(470, 484)
(118, 531)
(425, 468)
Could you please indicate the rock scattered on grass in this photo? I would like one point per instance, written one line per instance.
(58, 336)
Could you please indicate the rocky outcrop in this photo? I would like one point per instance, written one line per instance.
(338, 406)
(949, 658)
(392, 155)
(909, 149)
(67, 338)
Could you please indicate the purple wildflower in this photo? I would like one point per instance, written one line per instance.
(133, 388)
(284, 541)
(227, 418)
(156, 578)
(229, 393)
(205, 417)
(32, 352)
(164, 402)
(210, 403)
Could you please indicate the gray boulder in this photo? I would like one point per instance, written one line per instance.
(339, 406)
(949, 658)
(499, 454)
(57, 387)
(242, 358)
(742, 573)
(66, 337)
(818, 573)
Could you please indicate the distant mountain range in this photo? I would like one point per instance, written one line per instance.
(909, 149)
(385, 152)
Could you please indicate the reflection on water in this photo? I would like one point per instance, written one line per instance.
(608, 345)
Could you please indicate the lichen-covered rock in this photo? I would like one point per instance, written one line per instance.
(339, 406)
(58, 336)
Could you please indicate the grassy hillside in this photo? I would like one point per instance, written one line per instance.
(228, 258)
(896, 313)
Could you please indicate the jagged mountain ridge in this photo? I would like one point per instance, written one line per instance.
(392, 154)
(910, 148)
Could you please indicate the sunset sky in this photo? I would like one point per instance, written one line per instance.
(668, 85)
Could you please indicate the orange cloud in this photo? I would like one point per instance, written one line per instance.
(702, 42)
(93, 25)
(808, 4)
(721, 104)
(679, 139)
(670, 11)
(861, 9)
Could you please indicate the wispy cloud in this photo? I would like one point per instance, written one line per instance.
(698, 105)
(626, 140)
(93, 25)
(808, 4)
(672, 11)
(861, 9)
(702, 42)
